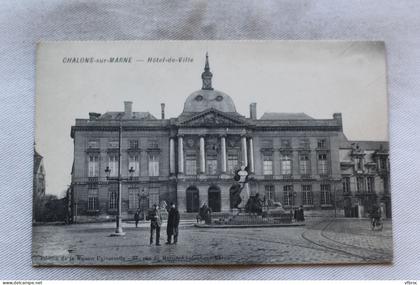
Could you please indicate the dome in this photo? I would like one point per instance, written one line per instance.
(203, 99)
(207, 97)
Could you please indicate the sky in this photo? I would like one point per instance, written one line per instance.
(318, 78)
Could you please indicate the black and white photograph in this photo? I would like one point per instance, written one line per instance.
(211, 153)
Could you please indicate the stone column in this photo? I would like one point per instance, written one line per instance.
(251, 155)
(202, 156)
(223, 144)
(244, 151)
(180, 155)
(171, 156)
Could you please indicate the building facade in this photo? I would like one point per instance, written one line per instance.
(293, 158)
(38, 187)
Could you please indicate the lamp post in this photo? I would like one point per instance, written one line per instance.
(335, 200)
(118, 227)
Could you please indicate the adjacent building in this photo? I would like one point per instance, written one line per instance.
(191, 159)
(38, 186)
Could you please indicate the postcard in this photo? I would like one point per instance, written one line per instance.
(210, 153)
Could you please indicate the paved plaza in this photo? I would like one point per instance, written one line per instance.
(320, 241)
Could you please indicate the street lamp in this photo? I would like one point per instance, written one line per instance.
(118, 227)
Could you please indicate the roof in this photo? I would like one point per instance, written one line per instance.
(202, 99)
(344, 141)
(372, 145)
(285, 116)
(119, 115)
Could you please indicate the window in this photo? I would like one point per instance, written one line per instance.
(360, 184)
(113, 203)
(304, 164)
(269, 194)
(346, 185)
(211, 166)
(285, 143)
(153, 196)
(325, 194)
(322, 164)
(370, 184)
(288, 199)
(232, 163)
(153, 165)
(133, 144)
(304, 143)
(307, 195)
(383, 163)
(322, 143)
(191, 165)
(153, 144)
(268, 165)
(113, 164)
(286, 164)
(93, 166)
(358, 163)
(93, 199)
(133, 163)
(133, 198)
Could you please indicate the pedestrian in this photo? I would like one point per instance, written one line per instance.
(295, 214)
(155, 224)
(301, 214)
(205, 214)
(173, 222)
(137, 217)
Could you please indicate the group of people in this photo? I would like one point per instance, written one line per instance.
(155, 217)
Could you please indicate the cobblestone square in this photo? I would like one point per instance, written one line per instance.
(323, 241)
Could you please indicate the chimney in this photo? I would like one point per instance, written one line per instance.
(128, 109)
(162, 109)
(253, 111)
(339, 119)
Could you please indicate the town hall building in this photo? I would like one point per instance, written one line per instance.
(292, 158)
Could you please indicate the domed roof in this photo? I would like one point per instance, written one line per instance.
(207, 97)
(201, 100)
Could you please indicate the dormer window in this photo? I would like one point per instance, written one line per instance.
(199, 98)
(219, 98)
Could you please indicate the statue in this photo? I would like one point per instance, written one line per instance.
(254, 205)
(241, 176)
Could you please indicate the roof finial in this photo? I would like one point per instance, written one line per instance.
(207, 66)
(206, 76)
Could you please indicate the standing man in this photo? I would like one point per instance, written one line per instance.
(137, 217)
(155, 224)
(173, 222)
(301, 214)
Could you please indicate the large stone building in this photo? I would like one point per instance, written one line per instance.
(293, 159)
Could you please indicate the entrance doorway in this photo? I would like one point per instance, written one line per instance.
(214, 199)
(193, 200)
(234, 198)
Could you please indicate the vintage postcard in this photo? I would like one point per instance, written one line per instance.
(211, 152)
